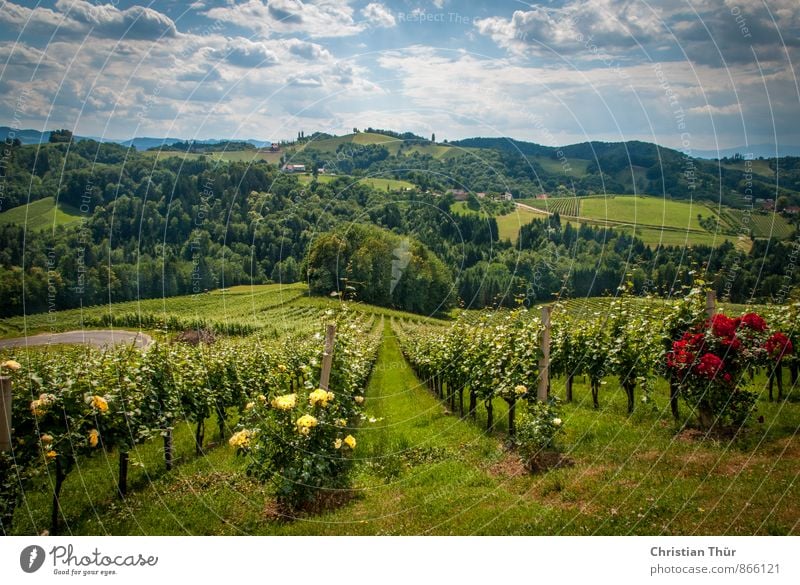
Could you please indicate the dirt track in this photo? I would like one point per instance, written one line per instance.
(99, 337)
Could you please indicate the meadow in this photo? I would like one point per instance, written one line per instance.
(41, 215)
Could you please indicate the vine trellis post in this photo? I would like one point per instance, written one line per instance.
(327, 357)
(711, 303)
(544, 357)
(5, 414)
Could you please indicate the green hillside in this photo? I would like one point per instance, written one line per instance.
(267, 310)
(666, 221)
(41, 215)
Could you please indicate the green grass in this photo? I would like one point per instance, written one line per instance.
(224, 156)
(374, 182)
(382, 184)
(574, 167)
(422, 470)
(655, 220)
(645, 211)
(254, 305)
(762, 224)
(41, 215)
(507, 224)
(272, 309)
(758, 167)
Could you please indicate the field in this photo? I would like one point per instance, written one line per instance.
(656, 220)
(268, 311)
(41, 215)
(374, 182)
(762, 224)
(225, 156)
(508, 224)
(572, 167)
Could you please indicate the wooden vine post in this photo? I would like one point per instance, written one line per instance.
(5, 414)
(711, 303)
(7, 512)
(327, 357)
(544, 358)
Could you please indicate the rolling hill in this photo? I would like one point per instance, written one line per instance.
(41, 215)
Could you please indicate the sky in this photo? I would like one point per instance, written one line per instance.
(689, 74)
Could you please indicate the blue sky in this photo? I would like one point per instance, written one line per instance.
(684, 73)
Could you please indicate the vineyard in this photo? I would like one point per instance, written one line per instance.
(566, 206)
(580, 418)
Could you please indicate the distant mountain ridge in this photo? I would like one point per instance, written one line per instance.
(586, 150)
(30, 136)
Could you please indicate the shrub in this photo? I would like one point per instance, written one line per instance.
(538, 426)
(300, 442)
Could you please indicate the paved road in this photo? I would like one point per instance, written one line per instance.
(98, 337)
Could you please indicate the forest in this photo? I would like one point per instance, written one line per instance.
(149, 227)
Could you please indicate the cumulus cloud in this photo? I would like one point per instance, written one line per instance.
(137, 22)
(243, 52)
(72, 17)
(316, 18)
(378, 15)
(306, 50)
(611, 23)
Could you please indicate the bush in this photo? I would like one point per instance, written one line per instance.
(537, 428)
(300, 442)
(710, 364)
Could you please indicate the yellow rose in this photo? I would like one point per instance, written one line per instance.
(285, 402)
(321, 397)
(100, 403)
(36, 408)
(50, 455)
(350, 441)
(94, 437)
(305, 423)
(261, 398)
(12, 365)
(520, 389)
(241, 439)
(337, 443)
(46, 439)
(250, 405)
(359, 399)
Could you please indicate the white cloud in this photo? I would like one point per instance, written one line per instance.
(316, 18)
(81, 17)
(378, 15)
(307, 50)
(607, 23)
(243, 52)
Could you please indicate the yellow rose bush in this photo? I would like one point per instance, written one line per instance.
(302, 440)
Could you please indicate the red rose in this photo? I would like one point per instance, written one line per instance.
(732, 343)
(754, 321)
(778, 346)
(723, 326)
(710, 365)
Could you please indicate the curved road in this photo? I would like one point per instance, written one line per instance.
(98, 337)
